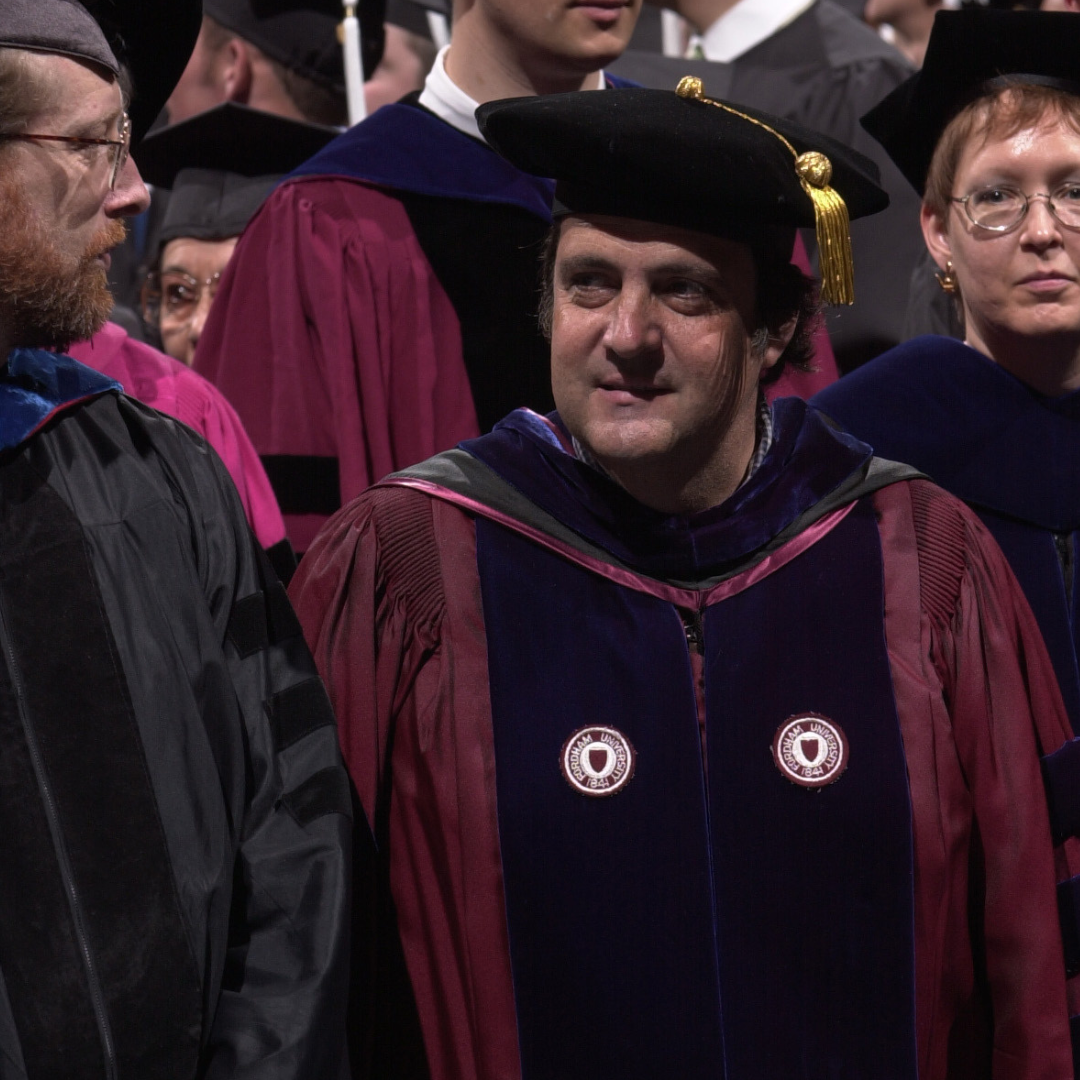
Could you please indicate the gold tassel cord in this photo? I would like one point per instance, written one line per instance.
(830, 211)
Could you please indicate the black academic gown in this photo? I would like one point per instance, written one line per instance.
(174, 850)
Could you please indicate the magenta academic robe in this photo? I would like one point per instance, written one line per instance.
(390, 599)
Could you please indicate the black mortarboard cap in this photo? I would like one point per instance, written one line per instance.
(679, 159)
(303, 34)
(152, 38)
(221, 164)
(967, 50)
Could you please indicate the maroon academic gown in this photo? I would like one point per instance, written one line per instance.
(390, 599)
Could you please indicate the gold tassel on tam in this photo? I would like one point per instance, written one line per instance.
(830, 211)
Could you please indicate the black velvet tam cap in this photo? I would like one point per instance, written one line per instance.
(967, 51)
(152, 38)
(221, 164)
(677, 158)
(303, 34)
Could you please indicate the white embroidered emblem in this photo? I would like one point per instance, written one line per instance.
(810, 750)
(597, 760)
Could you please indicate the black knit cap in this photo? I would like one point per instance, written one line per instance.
(303, 34)
(152, 38)
(967, 51)
(221, 165)
(656, 156)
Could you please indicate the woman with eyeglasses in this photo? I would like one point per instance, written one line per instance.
(219, 167)
(989, 132)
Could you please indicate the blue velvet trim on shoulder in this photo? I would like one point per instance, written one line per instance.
(36, 384)
(807, 461)
(409, 148)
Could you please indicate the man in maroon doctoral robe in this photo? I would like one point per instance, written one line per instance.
(695, 740)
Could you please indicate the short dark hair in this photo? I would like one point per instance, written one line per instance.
(316, 102)
(784, 293)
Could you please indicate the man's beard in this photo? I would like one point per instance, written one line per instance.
(48, 299)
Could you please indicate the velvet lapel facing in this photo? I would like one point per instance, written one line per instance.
(609, 900)
(93, 943)
(806, 462)
(407, 148)
(35, 385)
(733, 928)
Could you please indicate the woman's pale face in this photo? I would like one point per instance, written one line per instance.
(190, 271)
(1025, 281)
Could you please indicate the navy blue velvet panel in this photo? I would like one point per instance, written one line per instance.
(36, 383)
(972, 427)
(814, 886)
(609, 902)
(1061, 772)
(1033, 556)
(406, 147)
(807, 461)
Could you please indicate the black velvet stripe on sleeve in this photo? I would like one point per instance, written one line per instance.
(325, 792)
(298, 711)
(122, 899)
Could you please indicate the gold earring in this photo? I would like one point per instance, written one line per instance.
(947, 279)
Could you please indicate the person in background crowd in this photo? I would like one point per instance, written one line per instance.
(368, 314)
(283, 58)
(812, 62)
(218, 168)
(173, 901)
(675, 714)
(989, 134)
(907, 22)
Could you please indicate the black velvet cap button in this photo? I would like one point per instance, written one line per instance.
(153, 38)
(303, 34)
(655, 156)
(967, 50)
(221, 165)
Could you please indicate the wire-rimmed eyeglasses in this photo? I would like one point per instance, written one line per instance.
(121, 147)
(171, 297)
(999, 209)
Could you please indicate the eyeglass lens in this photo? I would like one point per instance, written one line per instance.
(1001, 208)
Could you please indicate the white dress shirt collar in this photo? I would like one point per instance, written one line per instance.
(747, 24)
(449, 102)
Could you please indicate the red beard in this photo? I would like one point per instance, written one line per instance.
(47, 301)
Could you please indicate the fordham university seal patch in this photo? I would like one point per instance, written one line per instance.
(810, 750)
(597, 760)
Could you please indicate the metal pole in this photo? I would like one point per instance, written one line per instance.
(354, 68)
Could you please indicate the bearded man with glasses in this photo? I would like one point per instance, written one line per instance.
(174, 852)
